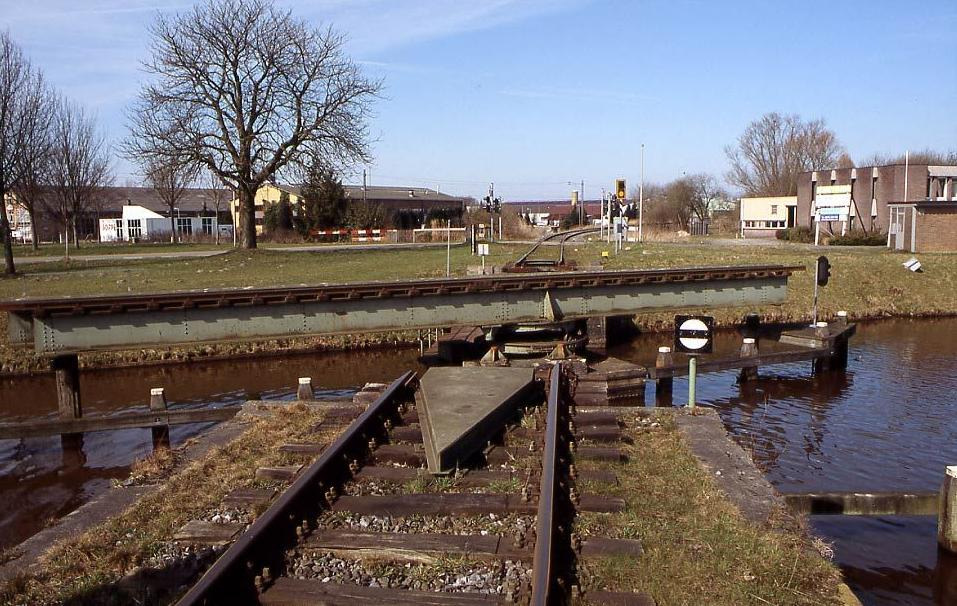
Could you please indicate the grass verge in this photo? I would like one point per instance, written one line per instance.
(86, 568)
(697, 547)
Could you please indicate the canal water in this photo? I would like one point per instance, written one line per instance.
(39, 483)
(889, 423)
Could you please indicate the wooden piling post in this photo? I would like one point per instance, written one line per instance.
(158, 404)
(66, 372)
(305, 389)
(664, 388)
(597, 330)
(947, 511)
(749, 349)
(839, 359)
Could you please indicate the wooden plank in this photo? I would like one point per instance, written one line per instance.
(283, 473)
(600, 504)
(598, 453)
(248, 497)
(468, 479)
(413, 547)
(597, 418)
(307, 448)
(302, 592)
(435, 504)
(399, 454)
(207, 533)
(602, 546)
(126, 420)
(783, 357)
(407, 433)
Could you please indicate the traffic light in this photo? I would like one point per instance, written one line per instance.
(823, 270)
(620, 189)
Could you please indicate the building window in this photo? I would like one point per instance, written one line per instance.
(208, 226)
(774, 209)
(134, 229)
(119, 227)
(184, 226)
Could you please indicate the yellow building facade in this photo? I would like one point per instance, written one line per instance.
(267, 194)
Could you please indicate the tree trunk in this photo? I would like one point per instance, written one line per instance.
(34, 231)
(172, 226)
(247, 207)
(9, 267)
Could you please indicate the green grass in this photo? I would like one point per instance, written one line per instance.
(697, 547)
(119, 248)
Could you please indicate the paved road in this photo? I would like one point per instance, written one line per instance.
(212, 253)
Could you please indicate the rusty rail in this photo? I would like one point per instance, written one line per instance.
(524, 260)
(544, 580)
(258, 554)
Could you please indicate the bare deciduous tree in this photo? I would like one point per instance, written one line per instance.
(170, 180)
(249, 92)
(79, 168)
(23, 115)
(774, 149)
(924, 156)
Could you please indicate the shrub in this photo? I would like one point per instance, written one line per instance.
(859, 239)
(796, 234)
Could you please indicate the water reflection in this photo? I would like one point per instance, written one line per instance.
(886, 423)
(40, 481)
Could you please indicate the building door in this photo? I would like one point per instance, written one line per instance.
(896, 227)
(792, 215)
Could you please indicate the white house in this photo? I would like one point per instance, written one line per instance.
(140, 223)
(762, 217)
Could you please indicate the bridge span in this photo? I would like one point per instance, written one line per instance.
(83, 323)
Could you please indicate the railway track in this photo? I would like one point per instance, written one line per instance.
(365, 524)
(526, 263)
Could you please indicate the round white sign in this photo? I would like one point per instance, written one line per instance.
(693, 342)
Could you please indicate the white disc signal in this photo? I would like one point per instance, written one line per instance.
(695, 342)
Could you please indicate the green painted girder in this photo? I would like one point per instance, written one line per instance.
(169, 318)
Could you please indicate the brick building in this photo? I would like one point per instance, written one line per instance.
(916, 205)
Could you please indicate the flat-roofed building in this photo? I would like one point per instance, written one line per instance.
(914, 204)
(391, 199)
(761, 217)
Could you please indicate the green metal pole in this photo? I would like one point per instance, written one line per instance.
(692, 376)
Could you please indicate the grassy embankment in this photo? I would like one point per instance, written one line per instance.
(698, 549)
(97, 248)
(867, 283)
(82, 569)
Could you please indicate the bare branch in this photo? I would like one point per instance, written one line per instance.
(250, 93)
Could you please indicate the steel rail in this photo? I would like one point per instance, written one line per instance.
(544, 583)
(247, 297)
(523, 261)
(231, 579)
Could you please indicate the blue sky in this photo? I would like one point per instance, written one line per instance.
(535, 94)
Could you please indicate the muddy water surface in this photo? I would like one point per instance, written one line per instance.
(889, 423)
(40, 483)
